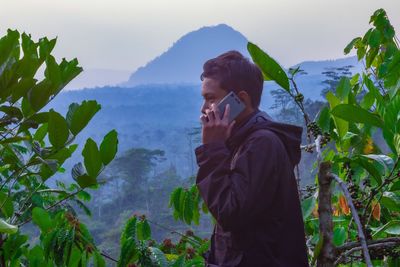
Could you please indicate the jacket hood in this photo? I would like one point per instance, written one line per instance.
(290, 135)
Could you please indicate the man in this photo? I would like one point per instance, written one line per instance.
(246, 173)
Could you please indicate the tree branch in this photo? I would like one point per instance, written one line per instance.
(327, 254)
(370, 246)
(355, 217)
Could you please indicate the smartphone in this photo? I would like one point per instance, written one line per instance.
(236, 106)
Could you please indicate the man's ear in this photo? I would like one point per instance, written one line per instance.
(245, 98)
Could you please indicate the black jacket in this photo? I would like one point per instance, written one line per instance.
(248, 185)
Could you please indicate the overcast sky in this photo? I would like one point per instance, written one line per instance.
(126, 34)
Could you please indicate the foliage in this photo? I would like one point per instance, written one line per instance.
(362, 109)
(138, 247)
(34, 144)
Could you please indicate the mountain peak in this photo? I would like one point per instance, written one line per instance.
(183, 61)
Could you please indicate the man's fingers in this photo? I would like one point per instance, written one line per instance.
(203, 119)
(217, 114)
(210, 115)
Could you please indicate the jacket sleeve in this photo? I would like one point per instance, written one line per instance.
(236, 196)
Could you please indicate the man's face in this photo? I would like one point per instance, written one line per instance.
(211, 93)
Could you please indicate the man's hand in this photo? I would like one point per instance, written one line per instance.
(214, 128)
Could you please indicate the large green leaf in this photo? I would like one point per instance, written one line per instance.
(58, 129)
(307, 206)
(7, 228)
(351, 45)
(143, 230)
(385, 161)
(92, 158)
(339, 236)
(369, 167)
(39, 95)
(86, 181)
(42, 219)
(356, 114)
(157, 257)
(129, 231)
(269, 67)
(343, 89)
(109, 147)
(342, 126)
(391, 201)
(324, 119)
(392, 228)
(80, 116)
(6, 204)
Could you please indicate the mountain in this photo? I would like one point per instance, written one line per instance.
(91, 78)
(160, 104)
(182, 63)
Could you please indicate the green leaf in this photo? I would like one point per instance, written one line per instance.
(99, 260)
(188, 208)
(157, 257)
(109, 147)
(143, 230)
(396, 143)
(58, 129)
(7, 228)
(392, 227)
(86, 181)
(317, 249)
(6, 204)
(128, 252)
(40, 94)
(269, 67)
(92, 158)
(374, 38)
(307, 206)
(41, 132)
(42, 219)
(339, 236)
(324, 119)
(52, 72)
(343, 89)
(351, 45)
(385, 161)
(129, 231)
(80, 116)
(370, 168)
(13, 112)
(367, 101)
(391, 201)
(175, 199)
(356, 114)
(341, 125)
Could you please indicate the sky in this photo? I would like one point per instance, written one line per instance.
(126, 34)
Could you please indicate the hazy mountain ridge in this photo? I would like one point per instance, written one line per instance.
(183, 62)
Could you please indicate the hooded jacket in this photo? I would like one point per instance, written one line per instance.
(248, 185)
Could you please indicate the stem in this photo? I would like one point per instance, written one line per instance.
(375, 245)
(355, 217)
(387, 181)
(102, 253)
(54, 205)
(173, 231)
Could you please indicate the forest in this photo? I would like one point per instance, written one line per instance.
(68, 198)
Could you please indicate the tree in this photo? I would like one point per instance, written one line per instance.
(34, 144)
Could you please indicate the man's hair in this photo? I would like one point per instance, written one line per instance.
(235, 73)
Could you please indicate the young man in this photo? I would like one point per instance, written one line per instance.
(246, 173)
